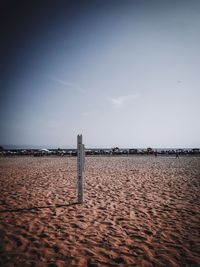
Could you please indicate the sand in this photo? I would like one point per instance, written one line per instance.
(138, 211)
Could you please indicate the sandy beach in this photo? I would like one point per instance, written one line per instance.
(138, 211)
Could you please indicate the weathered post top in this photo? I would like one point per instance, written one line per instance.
(79, 139)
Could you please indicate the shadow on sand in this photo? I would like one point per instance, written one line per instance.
(39, 207)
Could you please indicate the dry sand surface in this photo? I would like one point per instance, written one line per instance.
(138, 211)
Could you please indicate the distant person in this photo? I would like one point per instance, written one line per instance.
(156, 153)
(177, 155)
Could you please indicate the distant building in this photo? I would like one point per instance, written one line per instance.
(196, 150)
(133, 151)
(149, 150)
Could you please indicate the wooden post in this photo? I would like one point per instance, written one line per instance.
(80, 167)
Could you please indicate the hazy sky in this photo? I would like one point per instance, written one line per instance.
(122, 73)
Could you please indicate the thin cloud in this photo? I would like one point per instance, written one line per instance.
(71, 85)
(90, 112)
(85, 114)
(53, 124)
(121, 101)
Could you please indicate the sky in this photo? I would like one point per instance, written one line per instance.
(122, 73)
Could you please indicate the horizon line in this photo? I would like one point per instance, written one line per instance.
(91, 147)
